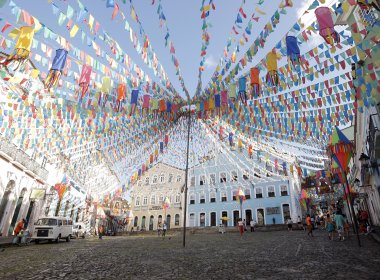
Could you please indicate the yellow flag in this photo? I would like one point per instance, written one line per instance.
(74, 31)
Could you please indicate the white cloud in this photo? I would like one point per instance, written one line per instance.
(211, 62)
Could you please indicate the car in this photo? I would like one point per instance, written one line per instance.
(52, 229)
(79, 230)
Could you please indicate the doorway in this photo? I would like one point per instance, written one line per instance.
(151, 222)
(202, 219)
(213, 219)
(192, 220)
(143, 223)
(4, 201)
(260, 217)
(286, 212)
(168, 220)
(17, 211)
(30, 210)
(236, 217)
(248, 216)
(225, 218)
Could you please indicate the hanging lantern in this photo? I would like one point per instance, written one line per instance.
(103, 95)
(134, 97)
(22, 50)
(293, 53)
(272, 78)
(121, 93)
(255, 81)
(326, 25)
(55, 71)
(243, 90)
(84, 79)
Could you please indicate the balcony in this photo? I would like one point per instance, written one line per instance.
(20, 159)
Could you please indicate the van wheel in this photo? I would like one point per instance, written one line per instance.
(37, 241)
(57, 240)
(68, 238)
(83, 236)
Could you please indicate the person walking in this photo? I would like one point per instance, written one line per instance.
(339, 222)
(241, 227)
(101, 231)
(309, 226)
(330, 227)
(19, 226)
(164, 229)
(252, 225)
(290, 224)
(159, 229)
(299, 223)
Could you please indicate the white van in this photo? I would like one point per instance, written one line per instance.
(79, 230)
(53, 229)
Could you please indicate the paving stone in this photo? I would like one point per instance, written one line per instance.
(259, 255)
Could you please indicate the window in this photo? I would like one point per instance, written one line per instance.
(179, 178)
(59, 222)
(284, 190)
(246, 175)
(155, 179)
(271, 191)
(247, 193)
(202, 180)
(139, 183)
(192, 199)
(145, 200)
(137, 202)
(176, 220)
(259, 192)
(178, 198)
(212, 197)
(234, 176)
(162, 178)
(161, 200)
(153, 200)
(64, 222)
(212, 179)
(170, 180)
(192, 181)
(147, 181)
(223, 177)
(234, 195)
(224, 196)
(202, 198)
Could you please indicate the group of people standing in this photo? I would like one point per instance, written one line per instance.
(161, 229)
(332, 223)
(242, 226)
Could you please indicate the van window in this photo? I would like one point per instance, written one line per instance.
(46, 222)
(70, 222)
(64, 222)
(59, 222)
(79, 227)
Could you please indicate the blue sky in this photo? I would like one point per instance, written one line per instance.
(184, 22)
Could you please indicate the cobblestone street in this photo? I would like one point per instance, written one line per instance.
(261, 255)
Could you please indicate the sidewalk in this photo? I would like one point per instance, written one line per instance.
(6, 240)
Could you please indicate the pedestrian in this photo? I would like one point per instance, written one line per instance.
(101, 231)
(346, 226)
(241, 227)
(299, 223)
(19, 227)
(309, 226)
(339, 222)
(164, 229)
(245, 225)
(290, 224)
(159, 229)
(330, 227)
(252, 224)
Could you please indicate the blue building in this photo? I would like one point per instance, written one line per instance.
(214, 185)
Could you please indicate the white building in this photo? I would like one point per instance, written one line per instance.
(149, 193)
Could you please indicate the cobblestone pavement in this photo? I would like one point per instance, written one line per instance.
(259, 255)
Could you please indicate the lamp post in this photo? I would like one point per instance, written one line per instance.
(186, 173)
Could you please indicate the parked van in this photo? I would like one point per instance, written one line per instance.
(53, 229)
(79, 230)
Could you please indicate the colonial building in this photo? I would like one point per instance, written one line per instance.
(213, 190)
(159, 184)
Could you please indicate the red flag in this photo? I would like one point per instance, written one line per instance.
(242, 12)
(115, 11)
(6, 26)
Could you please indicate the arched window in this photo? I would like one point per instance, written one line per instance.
(153, 200)
(161, 200)
(179, 178)
(136, 221)
(178, 198)
(176, 220)
(212, 179)
(223, 196)
(155, 179)
(284, 190)
(247, 193)
(223, 177)
(259, 192)
(147, 181)
(234, 194)
(234, 176)
(170, 180)
(139, 183)
(137, 202)
(212, 197)
(202, 198)
(145, 200)
(192, 198)
(202, 180)
(271, 192)
(162, 178)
